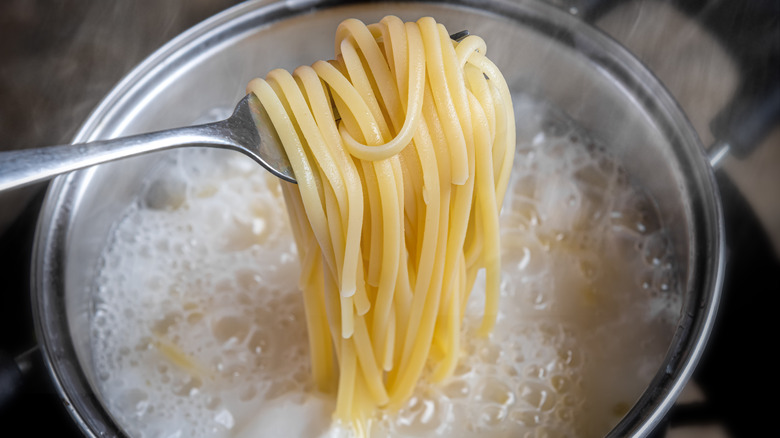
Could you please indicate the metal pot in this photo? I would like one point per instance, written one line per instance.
(570, 64)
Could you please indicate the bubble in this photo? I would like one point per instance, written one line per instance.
(560, 383)
(419, 415)
(163, 325)
(194, 318)
(645, 280)
(133, 400)
(568, 357)
(100, 320)
(564, 415)
(456, 389)
(654, 249)
(225, 418)
(490, 353)
(663, 279)
(526, 418)
(230, 328)
(187, 386)
(634, 211)
(535, 371)
(491, 416)
(248, 279)
(496, 391)
(537, 396)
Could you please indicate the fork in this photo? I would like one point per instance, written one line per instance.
(247, 130)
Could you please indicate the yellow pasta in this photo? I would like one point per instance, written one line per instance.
(402, 146)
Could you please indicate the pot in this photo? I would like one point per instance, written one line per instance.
(540, 49)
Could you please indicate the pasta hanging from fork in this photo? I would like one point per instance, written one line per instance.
(402, 147)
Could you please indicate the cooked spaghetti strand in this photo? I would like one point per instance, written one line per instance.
(402, 146)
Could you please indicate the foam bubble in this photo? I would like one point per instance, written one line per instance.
(199, 327)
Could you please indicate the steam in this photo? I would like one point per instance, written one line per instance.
(685, 56)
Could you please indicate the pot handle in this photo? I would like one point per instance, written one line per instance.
(13, 371)
(744, 123)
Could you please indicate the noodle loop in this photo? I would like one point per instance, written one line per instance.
(397, 202)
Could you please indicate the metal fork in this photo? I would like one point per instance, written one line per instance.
(248, 130)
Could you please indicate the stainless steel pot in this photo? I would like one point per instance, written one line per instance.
(541, 50)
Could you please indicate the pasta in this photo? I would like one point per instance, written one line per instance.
(402, 147)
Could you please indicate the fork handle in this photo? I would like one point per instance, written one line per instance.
(26, 166)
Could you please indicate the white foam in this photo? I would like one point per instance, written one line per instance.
(199, 328)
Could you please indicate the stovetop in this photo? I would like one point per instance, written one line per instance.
(36, 408)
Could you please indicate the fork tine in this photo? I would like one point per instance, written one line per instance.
(263, 142)
(459, 36)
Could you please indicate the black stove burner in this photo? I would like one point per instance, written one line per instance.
(736, 372)
(36, 409)
(737, 369)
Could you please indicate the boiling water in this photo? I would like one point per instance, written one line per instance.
(199, 327)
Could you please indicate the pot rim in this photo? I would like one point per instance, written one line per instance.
(700, 308)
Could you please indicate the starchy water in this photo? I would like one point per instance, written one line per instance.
(199, 327)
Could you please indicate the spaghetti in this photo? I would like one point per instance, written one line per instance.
(402, 147)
